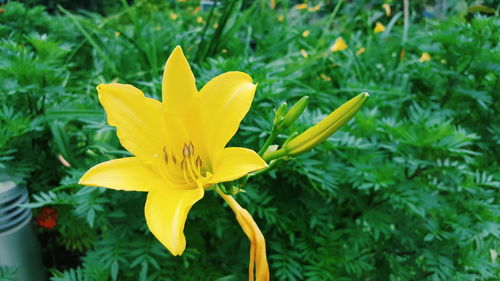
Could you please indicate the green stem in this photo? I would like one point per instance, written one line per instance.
(269, 141)
(274, 154)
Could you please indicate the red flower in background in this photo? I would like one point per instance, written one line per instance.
(47, 218)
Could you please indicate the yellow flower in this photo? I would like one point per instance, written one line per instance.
(379, 27)
(325, 77)
(173, 16)
(272, 4)
(199, 19)
(314, 8)
(425, 57)
(339, 45)
(117, 34)
(306, 33)
(387, 9)
(360, 51)
(300, 6)
(304, 53)
(326, 127)
(281, 18)
(178, 144)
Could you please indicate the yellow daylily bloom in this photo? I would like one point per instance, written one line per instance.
(387, 9)
(425, 57)
(173, 16)
(304, 53)
(314, 8)
(281, 18)
(272, 4)
(306, 33)
(300, 6)
(339, 45)
(178, 144)
(199, 20)
(379, 27)
(360, 51)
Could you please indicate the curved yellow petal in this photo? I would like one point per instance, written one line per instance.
(178, 86)
(122, 174)
(139, 120)
(166, 212)
(226, 99)
(235, 162)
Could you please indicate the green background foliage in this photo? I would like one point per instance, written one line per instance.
(408, 190)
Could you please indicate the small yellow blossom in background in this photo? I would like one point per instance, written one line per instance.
(387, 9)
(402, 55)
(196, 10)
(314, 8)
(425, 57)
(443, 61)
(300, 6)
(281, 18)
(173, 16)
(216, 25)
(199, 19)
(272, 3)
(339, 45)
(379, 27)
(304, 53)
(360, 51)
(224, 51)
(117, 34)
(325, 77)
(306, 33)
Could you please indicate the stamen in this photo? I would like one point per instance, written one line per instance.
(165, 156)
(198, 162)
(173, 158)
(185, 150)
(183, 167)
(191, 168)
(191, 147)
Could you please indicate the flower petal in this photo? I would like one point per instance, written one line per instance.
(139, 121)
(122, 174)
(235, 162)
(178, 85)
(226, 99)
(166, 212)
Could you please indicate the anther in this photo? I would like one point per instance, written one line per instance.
(198, 162)
(183, 164)
(174, 159)
(185, 150)
(165, 156)
(191, 148)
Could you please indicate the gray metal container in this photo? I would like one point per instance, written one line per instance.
(18, 244)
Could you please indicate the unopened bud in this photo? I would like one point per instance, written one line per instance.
(326, 127)
(295, 111)
(279, 113)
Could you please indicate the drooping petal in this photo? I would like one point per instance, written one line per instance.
(166, 212)
(235, 162)
(128, 174)
(139, 121)
(178, 85)
(226, 99)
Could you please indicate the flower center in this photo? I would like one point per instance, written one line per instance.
(190, 164)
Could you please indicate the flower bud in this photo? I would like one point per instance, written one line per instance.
(326, 127)
(295, 111)
(280, 113)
